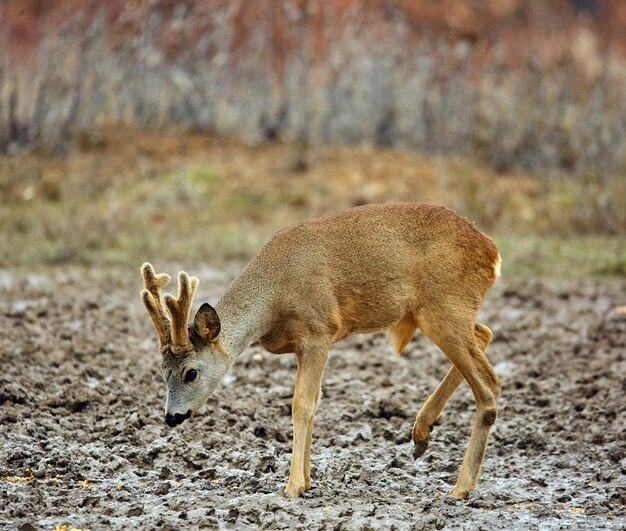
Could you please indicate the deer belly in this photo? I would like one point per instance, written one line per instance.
(358, 316)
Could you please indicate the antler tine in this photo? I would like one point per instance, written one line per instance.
(151, 297)
(179, 309)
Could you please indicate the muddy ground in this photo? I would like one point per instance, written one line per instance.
(83, 442)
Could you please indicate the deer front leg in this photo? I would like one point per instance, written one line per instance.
(306, 395)
(309, 437)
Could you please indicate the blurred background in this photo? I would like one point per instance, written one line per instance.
(189, 131)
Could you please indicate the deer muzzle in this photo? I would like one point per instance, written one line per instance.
(174, 420)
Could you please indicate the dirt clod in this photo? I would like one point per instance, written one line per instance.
(84, 442)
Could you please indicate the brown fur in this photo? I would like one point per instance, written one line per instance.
(401, 333)
(393, 267)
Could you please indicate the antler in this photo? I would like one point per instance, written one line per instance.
(151, 297)
(173, 334)
(178, 309)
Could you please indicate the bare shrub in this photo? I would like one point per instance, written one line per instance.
(522, 85)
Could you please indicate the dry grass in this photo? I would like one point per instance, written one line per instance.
(127, 196)
(516, 84)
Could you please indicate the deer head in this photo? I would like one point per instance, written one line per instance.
(193, 359)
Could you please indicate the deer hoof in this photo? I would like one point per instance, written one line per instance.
(419, 449)
(459, 493)
(294, 491)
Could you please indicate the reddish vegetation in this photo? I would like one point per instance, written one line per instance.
(504, 32)
(533, 85)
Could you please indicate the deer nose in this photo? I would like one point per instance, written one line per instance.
(176, 419)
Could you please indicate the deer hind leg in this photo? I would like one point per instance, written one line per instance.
(482, 336)
(432, 408)
(306, 396)
(457, 339)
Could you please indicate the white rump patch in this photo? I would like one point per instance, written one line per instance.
(496, 268)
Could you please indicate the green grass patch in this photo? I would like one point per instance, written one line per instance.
(562, 257)
(222, 203)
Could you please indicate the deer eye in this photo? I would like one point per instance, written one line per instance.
(191, 375)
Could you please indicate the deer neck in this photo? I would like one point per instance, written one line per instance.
(242, 318)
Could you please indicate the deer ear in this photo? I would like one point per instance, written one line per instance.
(207, 323)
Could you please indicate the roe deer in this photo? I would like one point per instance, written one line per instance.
(393, 267)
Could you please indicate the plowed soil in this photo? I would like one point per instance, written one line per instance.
(83, 442)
